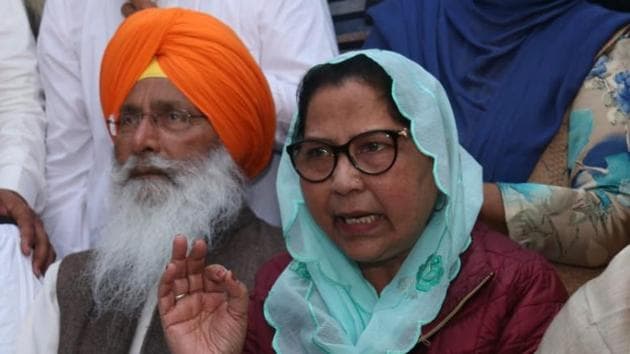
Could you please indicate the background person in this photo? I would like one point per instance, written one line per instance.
(22, 124)
(519, 73)
(25, 252)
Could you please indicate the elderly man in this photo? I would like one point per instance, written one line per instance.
(192, 119)
(285, 37)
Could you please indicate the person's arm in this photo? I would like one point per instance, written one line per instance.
(492, 210)
(587, 223)
(568, 225)
(22, 122)
(295, 35)
(69, 142)
(22, 125)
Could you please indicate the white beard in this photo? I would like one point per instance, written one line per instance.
(196, 198)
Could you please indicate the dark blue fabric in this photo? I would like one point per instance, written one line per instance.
(510, 67)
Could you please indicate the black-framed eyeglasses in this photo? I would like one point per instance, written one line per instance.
(373, 152)
(171, 121)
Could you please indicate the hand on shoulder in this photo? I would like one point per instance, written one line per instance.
(32, 234)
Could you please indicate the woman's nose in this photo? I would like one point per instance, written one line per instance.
(346, 178)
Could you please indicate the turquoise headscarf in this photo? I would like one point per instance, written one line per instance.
(321, 302)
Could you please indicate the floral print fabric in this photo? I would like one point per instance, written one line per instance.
(587, 221)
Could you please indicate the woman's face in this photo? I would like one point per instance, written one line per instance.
(373, 219)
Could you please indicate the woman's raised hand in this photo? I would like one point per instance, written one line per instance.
(202, 309)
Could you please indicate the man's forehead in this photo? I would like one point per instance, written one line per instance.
(157, 104)
(156, 93)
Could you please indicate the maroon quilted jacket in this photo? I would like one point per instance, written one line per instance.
(501, 302)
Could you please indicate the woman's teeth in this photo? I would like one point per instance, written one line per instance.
(362, 220)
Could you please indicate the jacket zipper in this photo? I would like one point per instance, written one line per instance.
(424, 339)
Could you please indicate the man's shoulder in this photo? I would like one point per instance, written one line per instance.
(247, 247)
(257, 234)
(75, 263)
(74, 295)
(77, 257)
(72, 272)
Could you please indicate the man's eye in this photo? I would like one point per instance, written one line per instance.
(177, 117)
(128, 119)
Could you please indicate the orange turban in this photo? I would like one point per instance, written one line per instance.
(205, 60)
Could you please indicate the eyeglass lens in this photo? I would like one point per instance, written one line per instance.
(176, 120)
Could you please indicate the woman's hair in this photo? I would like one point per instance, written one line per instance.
(360, 68)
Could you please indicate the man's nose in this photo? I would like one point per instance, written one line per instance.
(146, 137)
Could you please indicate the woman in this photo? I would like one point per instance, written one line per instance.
(379, 204)
(517, 74)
